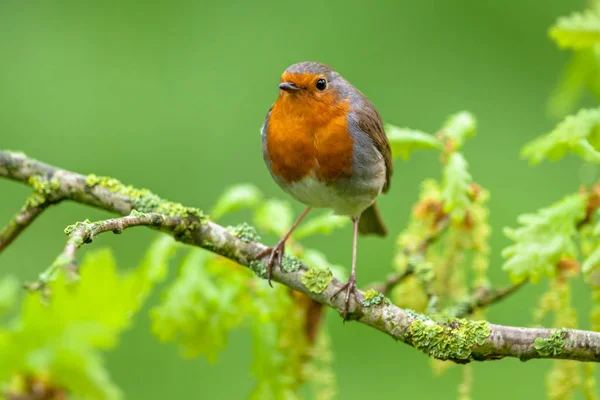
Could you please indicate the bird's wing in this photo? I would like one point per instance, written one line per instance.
(369, 122)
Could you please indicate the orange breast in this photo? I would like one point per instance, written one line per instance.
(305, 136)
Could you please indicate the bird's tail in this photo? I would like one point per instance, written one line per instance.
(371, 223)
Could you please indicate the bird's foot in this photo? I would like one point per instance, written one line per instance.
(351, 291)
(275, 254)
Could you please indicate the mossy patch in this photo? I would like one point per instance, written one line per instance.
(144, 200)
(245, 232)
(137, 214)
(317, 279)
(42, 189)
(552, 345)
(87, 225)
(290, 263)
(452, 340)
(258, 268)
(373, 298)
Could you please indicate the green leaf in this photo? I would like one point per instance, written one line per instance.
(236, 198)
(577, 31)
(274, 216)
(9, 290)
(577, 133)
(581, 71)
(403, 141)
(544, 239)
(458, 127)
(592, 262)
(155, 264)
(456, 184)
(323, 224)
(201, 307)
(63, 339)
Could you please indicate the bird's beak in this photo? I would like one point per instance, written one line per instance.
(289, 87)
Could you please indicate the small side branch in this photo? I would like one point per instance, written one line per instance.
(393, 280)
(396, 278)
(85, 232)
(19, 223)
(483, 298)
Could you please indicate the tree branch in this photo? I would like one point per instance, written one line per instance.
(459, 340)
(19, 223)
(482, 298)
(86, 231)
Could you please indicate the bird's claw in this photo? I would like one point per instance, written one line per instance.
(275, 258)
(350, 288)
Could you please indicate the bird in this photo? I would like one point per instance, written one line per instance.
(324, 144)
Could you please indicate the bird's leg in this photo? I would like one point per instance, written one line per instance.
(276, 252)
(350, 286)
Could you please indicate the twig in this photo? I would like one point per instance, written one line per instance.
(482, 298)
(85, 232)
(393, 280)
(19, 223)
(459, 340)
(396, 278)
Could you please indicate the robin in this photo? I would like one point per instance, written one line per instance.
(324, 144)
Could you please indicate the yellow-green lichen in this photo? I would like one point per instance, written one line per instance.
(258, 268)
(179, 210)
(144, 200)
(137, 214)
(290, 263)
(552, 345)
(415, 315)
(317, 279)
(245, 232)
(373, 298)
(87, 225)
(42, 189)
(453, 340)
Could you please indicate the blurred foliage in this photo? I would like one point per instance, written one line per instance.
(59, 342)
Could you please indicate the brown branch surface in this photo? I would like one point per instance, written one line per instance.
(459, 340)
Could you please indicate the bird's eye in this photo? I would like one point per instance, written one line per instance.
(321, 84)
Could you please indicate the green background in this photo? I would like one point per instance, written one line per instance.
(171, 96)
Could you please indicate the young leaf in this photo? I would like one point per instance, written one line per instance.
(581, 71)
(577, 133)
(236, 198)
(543, 239)
(274, 216)
(200, 308)
(324, 224)
(403, 141)
(592, 262)
(458, 127)
(577, 31)
(9, 290)
(155, 264)
(456, 185)
(62, 339)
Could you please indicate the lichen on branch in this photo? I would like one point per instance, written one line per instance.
(455, 339)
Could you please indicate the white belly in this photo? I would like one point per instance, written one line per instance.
(343, 199)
